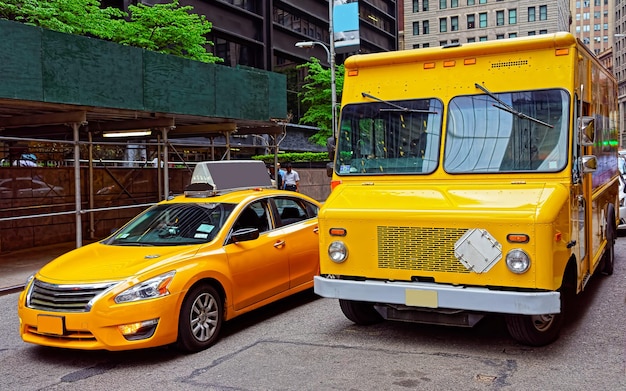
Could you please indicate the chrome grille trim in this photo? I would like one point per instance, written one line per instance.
(64, 298)
(419, 248)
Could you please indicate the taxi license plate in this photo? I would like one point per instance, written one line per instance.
(48, 324)
(421, 298)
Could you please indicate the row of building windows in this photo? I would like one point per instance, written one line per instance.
(481, 38)
(482, 20)
(300, 25)
(596, 27)
(587, 3)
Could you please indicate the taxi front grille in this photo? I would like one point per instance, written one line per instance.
(63, 298)
(419, 248)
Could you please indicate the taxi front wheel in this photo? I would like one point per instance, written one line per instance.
(201, 317)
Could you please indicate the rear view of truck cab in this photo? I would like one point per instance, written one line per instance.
(470, 180)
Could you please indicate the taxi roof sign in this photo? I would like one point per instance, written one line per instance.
(232, 175)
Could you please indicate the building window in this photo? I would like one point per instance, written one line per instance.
(543, 32)
(530, 33)
(499, 18)
(454, 23)
(416, 6)
(454, 3)
(470, 40)
(443, 4)
(443, 25)
(416, 28)
(425, 27)
(499, 36)
(443, 43)
(416, 46)
(512, 35)
(424, 5)
(543, 12)
(471, 2)
(513, 16)
(426, 45)
(483, 38)
(482, 20)
(531, 14)
(471, 22)
(596, 27)
(482, 2)
(606, 26)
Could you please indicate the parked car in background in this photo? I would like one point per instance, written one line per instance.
(181, 268)
(28, 187)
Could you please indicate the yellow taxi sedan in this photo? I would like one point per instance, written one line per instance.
(181, 268)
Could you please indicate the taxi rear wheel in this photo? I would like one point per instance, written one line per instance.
(201, 318)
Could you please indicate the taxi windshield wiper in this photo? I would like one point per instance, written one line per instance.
(509, 109)
(395, 106)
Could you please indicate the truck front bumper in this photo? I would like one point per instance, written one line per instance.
(432, 295)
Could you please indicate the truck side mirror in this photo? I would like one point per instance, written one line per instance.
(330, 146)
(587, 128)
(589, 163)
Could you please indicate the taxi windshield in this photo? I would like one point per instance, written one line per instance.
(174, 225)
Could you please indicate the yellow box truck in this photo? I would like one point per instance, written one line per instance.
(472, 179)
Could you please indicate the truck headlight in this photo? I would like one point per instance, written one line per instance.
(337, 252)
(150, 289)
(517, 261)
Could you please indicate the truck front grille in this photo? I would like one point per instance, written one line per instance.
(419, 248)
(63, 298)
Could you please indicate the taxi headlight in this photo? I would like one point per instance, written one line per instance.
(517, 261)
(337, 252)
(150, 289)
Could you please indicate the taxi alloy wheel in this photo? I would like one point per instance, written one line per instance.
(201, 317)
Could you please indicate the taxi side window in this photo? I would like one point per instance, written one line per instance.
(254, 216)
(291, 211)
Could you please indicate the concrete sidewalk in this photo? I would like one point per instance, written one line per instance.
(17, 266)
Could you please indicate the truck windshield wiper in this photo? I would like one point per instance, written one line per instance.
(509, 109)
(395, 106)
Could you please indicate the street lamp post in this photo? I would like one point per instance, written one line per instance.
(333, 89)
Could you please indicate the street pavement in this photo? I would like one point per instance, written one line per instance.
(17, 266)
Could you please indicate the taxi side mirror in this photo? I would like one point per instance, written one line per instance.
(243, 235)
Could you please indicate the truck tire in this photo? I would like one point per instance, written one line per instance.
(608, 259)
(541, 330)
(360, 312)
(534, 330)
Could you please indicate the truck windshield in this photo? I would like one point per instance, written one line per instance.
(399, 137)
(482, 137)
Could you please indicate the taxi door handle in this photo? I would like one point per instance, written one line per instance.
(279, 244)
(316, 230)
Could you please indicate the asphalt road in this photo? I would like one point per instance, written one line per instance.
(305, 343)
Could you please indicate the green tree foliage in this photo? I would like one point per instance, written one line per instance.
(164, 28)
(318, 93)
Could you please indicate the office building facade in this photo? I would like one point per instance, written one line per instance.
(429, 23)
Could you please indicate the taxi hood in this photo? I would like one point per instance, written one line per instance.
(458, 202)
(99, 262)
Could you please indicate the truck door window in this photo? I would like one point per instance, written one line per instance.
(384, 138)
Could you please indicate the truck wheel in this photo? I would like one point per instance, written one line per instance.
(541, 330)
(534, 330)
(200, 320)
(360, 312)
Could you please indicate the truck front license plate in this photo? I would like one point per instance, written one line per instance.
(421, 298)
